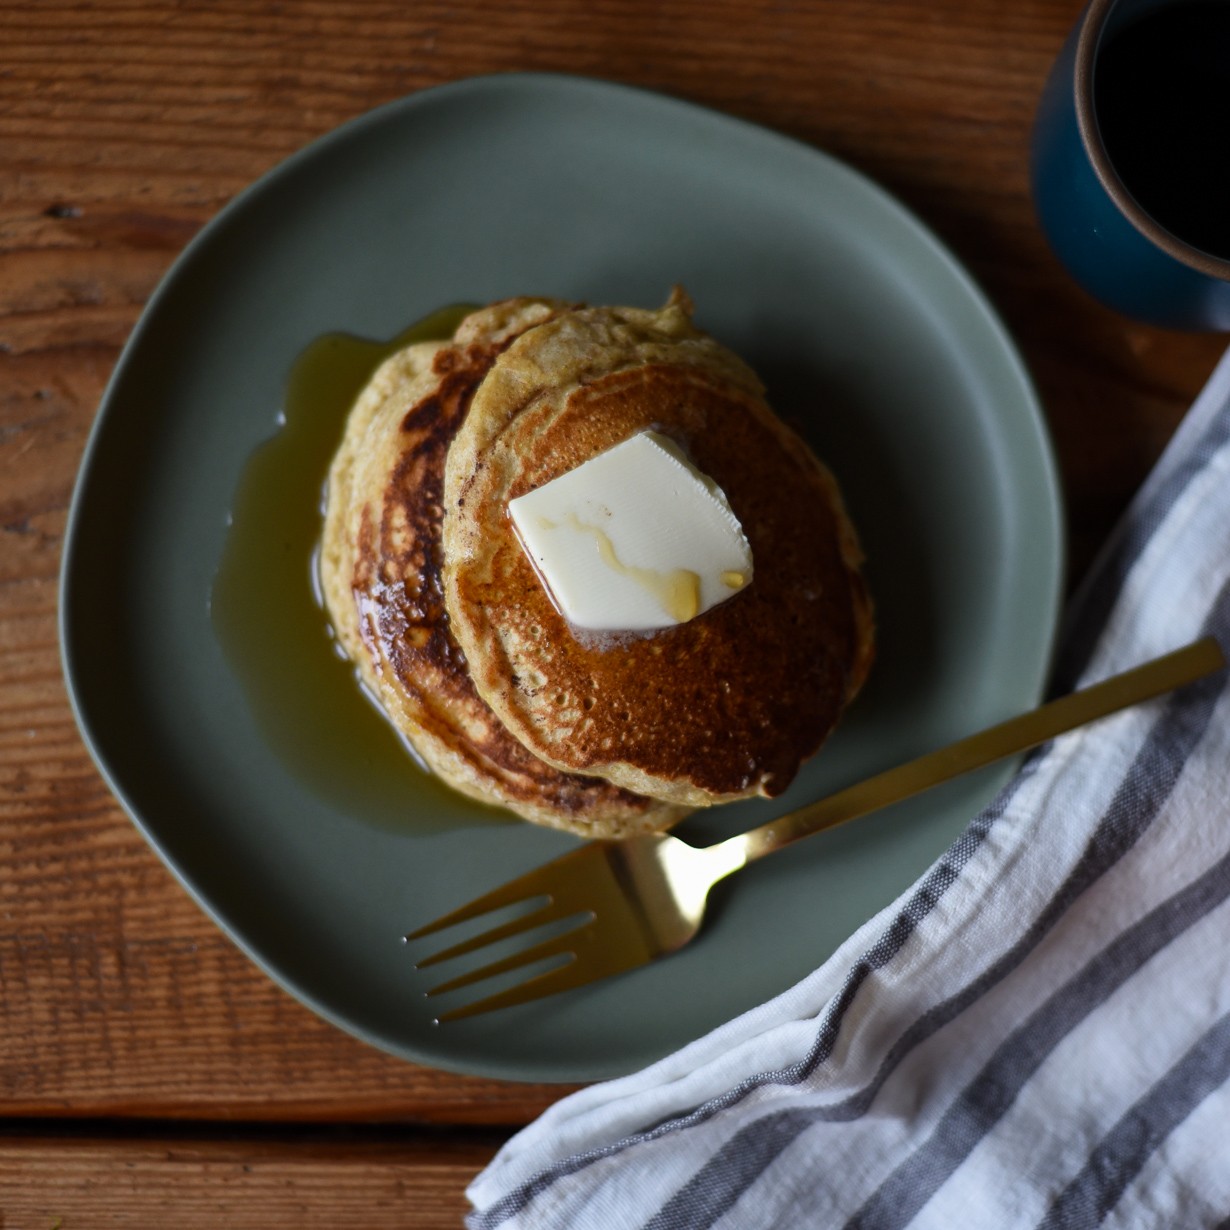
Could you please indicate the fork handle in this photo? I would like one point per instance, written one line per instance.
(1009, 738)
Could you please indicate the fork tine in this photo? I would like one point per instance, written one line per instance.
(543, 881)
(549, 911)
(506, 894)
(568, 977)
(557, 945)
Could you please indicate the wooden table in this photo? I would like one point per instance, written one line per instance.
(149, 1075)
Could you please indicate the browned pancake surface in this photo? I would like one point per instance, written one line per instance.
(721, 707)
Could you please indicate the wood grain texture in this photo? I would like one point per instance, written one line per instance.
(50, 1184)
(125, 126)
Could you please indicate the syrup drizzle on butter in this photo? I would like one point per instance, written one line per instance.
(678, 591)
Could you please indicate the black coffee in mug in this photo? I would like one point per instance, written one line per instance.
(1161, 95)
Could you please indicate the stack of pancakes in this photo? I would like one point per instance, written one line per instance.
(433, 597)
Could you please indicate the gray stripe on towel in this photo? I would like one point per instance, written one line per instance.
(1141, 1131)
(988, 1097)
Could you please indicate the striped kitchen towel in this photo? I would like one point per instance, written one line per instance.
(1037, 1034)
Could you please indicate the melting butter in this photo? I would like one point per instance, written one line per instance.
(634, 539)
(678, 590)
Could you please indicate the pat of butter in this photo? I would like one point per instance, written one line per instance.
(634, 539)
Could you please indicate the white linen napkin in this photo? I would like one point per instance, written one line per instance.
(1037, 1034)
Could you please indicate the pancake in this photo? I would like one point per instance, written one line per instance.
(725, 706)
(380, 575)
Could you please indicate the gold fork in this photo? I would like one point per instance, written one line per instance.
(635, 900)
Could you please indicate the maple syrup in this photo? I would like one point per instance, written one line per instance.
(267, 612)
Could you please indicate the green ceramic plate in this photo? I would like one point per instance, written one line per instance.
(865, 329)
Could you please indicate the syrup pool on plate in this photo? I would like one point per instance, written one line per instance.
(267, 615)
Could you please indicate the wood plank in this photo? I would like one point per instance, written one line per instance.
(123, 128)
(56, 1184)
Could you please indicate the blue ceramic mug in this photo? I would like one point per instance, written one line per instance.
(1091, 169)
